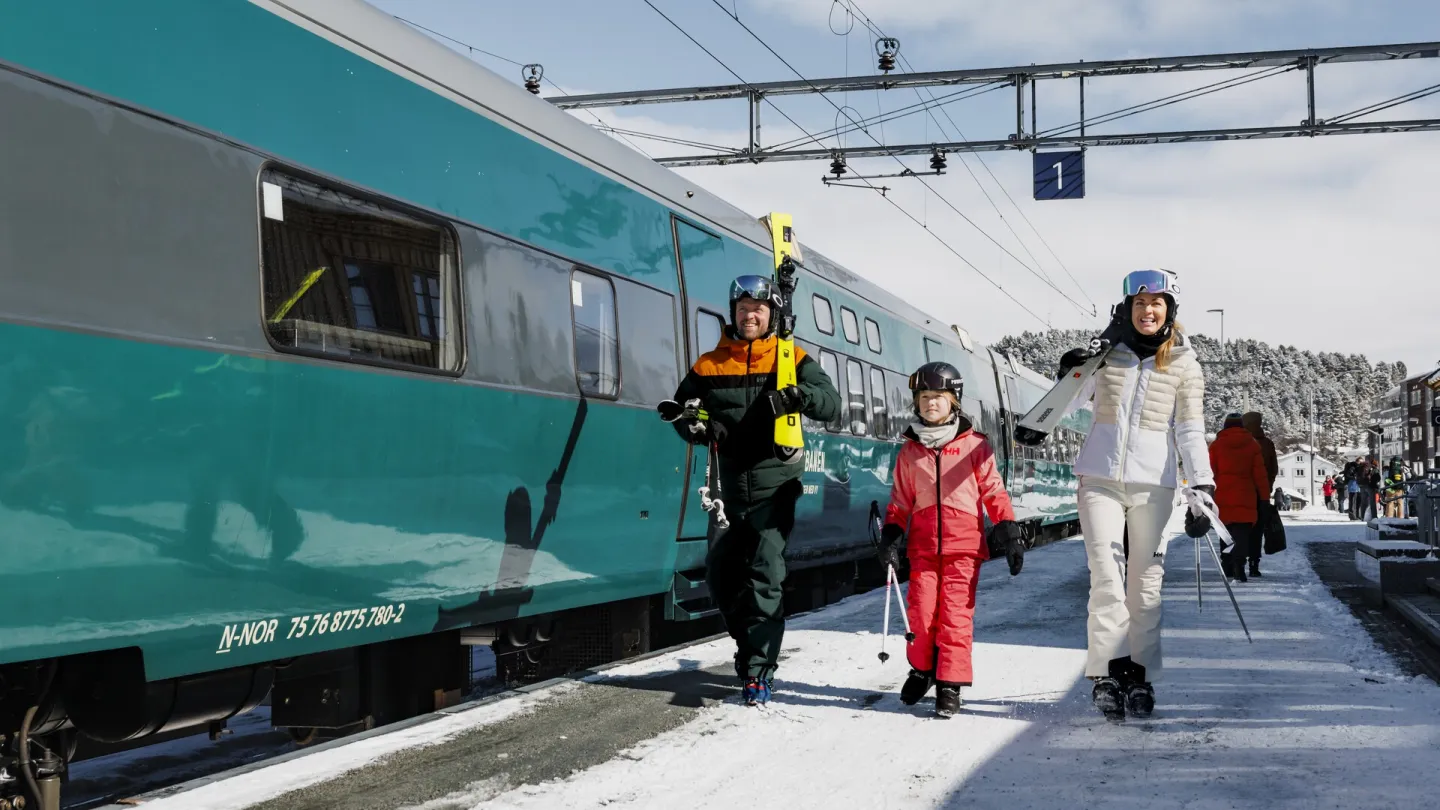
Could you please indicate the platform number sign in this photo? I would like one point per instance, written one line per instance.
(1059, 175)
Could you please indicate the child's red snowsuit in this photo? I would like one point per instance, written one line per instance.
(945, 546)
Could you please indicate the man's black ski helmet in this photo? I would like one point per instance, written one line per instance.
(937, 376)
(760, 288)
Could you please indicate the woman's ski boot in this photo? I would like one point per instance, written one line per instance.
(947, 699)
(1140, 699)
(1107, 698)
(916, 686)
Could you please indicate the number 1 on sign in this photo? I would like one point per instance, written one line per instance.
(1059, 175)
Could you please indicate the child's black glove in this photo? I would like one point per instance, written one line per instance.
(1008, 539)
(889, 552)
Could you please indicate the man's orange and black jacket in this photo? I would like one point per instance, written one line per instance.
(731, 381)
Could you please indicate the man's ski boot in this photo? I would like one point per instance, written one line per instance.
(916, 686)
(947, 699)
(1108, 700)
(1140, 699)
(1254, 568)
(757, 691)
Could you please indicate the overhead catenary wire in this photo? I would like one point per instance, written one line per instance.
(942, 198)
(1414, 95)
(894, 204)
(494, 55)
(960, 136)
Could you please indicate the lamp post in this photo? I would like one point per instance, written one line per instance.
(1222, 329)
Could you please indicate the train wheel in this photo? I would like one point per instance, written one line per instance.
(303, 735)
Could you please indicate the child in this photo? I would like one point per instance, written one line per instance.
(944, 461)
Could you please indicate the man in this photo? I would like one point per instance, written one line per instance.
(1370, 481)
(735, 384)
(1254, 423)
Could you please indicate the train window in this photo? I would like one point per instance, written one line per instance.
(855, 407)
(932, 350)
(879, 414)
(850, 325)
(597, 351)
(708, 329)
(831, 367)
(872, 335)
(353, 278)
(902, 405)
(824, 315)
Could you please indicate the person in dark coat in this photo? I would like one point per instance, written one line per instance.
(1240, 486)
(1254, 423)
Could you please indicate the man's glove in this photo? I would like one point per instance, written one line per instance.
(889, 552)
(786, 400)
(1008, 539)
(1199, 525)
(702, 432)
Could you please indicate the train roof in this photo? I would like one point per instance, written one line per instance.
(381, 38)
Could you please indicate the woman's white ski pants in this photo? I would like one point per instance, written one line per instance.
(1124, 598)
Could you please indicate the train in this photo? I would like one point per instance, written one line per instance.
(329, 354)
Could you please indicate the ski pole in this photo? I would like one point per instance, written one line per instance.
(904, 611)
(1199, 592)
(885, 628)
(1226, 580)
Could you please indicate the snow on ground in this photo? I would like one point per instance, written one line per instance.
(1312, 714)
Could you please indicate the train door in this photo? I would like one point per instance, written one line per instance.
(704, 279)
(1005, 392)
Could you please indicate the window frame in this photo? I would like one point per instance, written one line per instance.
(872, 396)
(457, 324)
(836, 426)
(575, 333)
(816, 298)
(845, 333)
(879, 343)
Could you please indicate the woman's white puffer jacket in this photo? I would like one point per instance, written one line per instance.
(1138, 409)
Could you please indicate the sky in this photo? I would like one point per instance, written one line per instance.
(1324, 244)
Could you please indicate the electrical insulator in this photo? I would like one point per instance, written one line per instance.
(887, 48)
(532, 75)
(937, 161)
(837, 166)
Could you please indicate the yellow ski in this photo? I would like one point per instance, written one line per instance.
(789, 438)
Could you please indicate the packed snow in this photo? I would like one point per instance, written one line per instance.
(1311, 714)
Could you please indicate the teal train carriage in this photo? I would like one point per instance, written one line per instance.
(327, 352)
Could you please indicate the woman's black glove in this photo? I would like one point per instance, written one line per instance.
(1199, 525)
(889, 552)
(1008, 539)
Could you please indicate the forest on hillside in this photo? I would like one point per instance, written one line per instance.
(1276, 381)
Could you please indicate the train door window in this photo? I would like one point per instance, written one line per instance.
(855, 406)
(356, 279)
(850, 325)
(831, 367)
(879, 413)
(932, 350)
(872, 335)
(708, 329)
(824, 315)
(597, 349)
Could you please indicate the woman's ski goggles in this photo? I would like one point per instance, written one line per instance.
(1151, 281)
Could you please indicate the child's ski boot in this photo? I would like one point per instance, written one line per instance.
(947, 699)
(1108, 700)
(916, 686)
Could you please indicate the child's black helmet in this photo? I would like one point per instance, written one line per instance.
(938, 376)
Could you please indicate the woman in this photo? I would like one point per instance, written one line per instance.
(1240, 483)
(1328, 489)
(1149, 400)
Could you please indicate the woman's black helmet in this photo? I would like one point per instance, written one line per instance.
(938, 376)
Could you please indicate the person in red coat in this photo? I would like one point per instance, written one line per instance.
(1241, 482)
(945, 474)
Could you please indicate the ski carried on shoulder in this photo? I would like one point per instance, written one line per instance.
(1041, 420)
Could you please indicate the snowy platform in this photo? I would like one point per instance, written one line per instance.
(1380, 529)
(1391, 567)
(1311, 715)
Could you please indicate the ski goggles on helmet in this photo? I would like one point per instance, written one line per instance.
(1151, 281)
(761, 288)
(937, 377)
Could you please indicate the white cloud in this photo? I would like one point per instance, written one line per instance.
(1061, 29)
